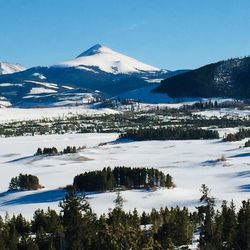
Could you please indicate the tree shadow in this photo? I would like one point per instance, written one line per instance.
(244, 188)
(243, 174)
(121, 140)
(240, 155)
(39, 197)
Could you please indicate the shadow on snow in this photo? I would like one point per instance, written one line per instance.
(39, 197)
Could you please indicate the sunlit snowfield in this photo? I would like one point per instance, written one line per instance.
(191, 163)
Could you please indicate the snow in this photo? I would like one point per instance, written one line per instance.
(40, 76)
(45, 84)
(107, 60)
(35, 91)
(145, 95)
(86, 68)
(4, 103)
(225, 112)
(9, 68)
(191, 163)
(158, 80)
(19, 114)
(67, 87)
(6, 84)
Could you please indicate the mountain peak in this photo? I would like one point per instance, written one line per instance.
(109, 61)
(92, 51)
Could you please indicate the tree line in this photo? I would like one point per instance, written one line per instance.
(124, 177)
(214, 104)
(170, 133)
(76, 227)
(55, 151)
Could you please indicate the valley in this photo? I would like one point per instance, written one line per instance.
(68, 127)
(190, 162)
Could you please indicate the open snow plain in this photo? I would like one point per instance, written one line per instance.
(21, 114)
(191, 163)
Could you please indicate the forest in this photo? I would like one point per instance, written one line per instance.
(77, 227)
(170, 133)
(122, 177)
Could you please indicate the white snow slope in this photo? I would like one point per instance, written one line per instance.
(9, 68)
(191, 163)
(108, 60)
(19, 114)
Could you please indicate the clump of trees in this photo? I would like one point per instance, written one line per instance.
(203, 105)
(170, 133)
(238, 136)
(24, 182)
(54, 151)
(247, 144)
(47, 151)
(125, 177)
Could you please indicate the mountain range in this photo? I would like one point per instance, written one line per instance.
(97, 73)
(100, 73)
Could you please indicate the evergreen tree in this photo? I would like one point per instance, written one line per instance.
(13, 183)
(78, 220)
(229, 225)
(243, 230)
(118, 200)
(207, 209)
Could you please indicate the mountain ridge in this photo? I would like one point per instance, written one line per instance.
(227, 78)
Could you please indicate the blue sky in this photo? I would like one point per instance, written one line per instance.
(170, 34)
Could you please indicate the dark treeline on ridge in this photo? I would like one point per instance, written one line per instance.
(170, 133)
(76, 227)
(123, 177)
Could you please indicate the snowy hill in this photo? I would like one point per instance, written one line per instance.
(9, 68)
(108, 61)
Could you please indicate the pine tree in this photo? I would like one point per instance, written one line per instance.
(243, 230)
(73, 209)
(118, 200)
(13, 183)
(207, 209)
(229, 225)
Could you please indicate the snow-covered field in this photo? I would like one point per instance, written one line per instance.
(225, 112)
(191, 163)
(19, 114)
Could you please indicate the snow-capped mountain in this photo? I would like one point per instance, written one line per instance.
(9, 68)
(108, 61)
(97, 73)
